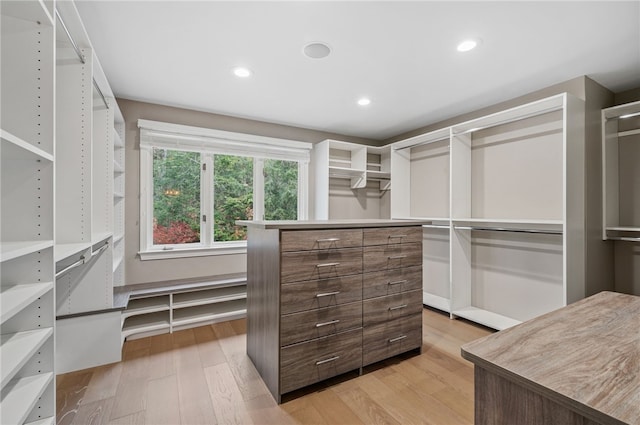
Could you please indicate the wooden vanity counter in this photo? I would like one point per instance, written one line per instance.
(579, 365)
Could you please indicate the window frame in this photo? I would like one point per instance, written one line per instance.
(209, 142)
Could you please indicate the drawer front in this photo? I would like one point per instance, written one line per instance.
(313, 361)
(307, 240)
(314, 265)
(389, 282)
(392, 338)
(392, 235)
(315, 294)
(382, 309)
(389, 257)
(307, 325)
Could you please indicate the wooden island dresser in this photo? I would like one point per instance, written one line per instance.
(329, 297)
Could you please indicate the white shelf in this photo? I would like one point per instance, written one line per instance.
(146, 323)
(11, 250)
(118, 195)
(344, 172)
(209, 312)
(14, 147)
(65, 250)
(28, 10)
(487, 318)
(14, 298)
(117, 141)
(46, 421)
(22, 397)
(624, 229)
(141, 306)
(629, 133)
(117, 168)
(435, 301)
(379, 175)
(117, 262)
(615, 112)
(118, 238)
(17, 349)
(100, 237)
(209, 296)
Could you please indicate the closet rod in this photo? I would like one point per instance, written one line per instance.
(70, 267)
(509, 120)
(95, 84)
(623, 238)
(99, 250)
(436, 226)
(507, 229)
(426, 142)
(73, 42)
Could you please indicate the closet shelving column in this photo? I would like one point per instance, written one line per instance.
(424, 160)
(517, 204)
(26, 198)
(118, 198)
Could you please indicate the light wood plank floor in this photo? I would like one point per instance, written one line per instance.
(203, 376)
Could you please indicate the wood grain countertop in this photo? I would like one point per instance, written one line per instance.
(329, 224)
(585, 356)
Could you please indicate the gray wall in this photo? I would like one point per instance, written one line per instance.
(138, 271)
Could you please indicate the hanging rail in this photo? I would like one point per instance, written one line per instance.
(80, 262)
(623, 238)
(80, 55)
(507, 229)
(426, 142)
(436, 226)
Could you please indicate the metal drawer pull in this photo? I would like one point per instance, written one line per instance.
(399, 338)
(327, 265)
(397, 282)
(397, 257)
(398, 307)
(332, 322)
(327, 294)
(330, 359)
(397, 236)
(328, 240)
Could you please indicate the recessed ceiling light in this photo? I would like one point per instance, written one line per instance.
(316, 50)
(242, 72)
(467, 45)
(364, 101)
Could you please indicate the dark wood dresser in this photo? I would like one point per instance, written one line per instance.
(329, 297)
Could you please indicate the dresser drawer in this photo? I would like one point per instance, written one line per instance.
(307, 325)
(313, 265)
(392, 235)
(382, 309)
(320, 293)
(388, 282)
(391, 338)
(313, 361)
(388, 257)
(306, 240)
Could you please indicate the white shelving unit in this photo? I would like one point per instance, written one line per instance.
(27, 292)
(504, 195)
(118, 198)
(621, 191)
(168, 308)
(351, 180)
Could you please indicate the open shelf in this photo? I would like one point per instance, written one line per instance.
(435, 301)
(46, 421)
(146, 323)
(209, 296)
(139, 306)
(21, 397)
(487, 318)
(210, 312)
(11, 250)
(65, 250)
(28, 11)
(15, 298)
(15, 148)
(17, 349)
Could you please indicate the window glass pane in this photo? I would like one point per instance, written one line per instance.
(176, 197)
(232, 196)
(280, 190)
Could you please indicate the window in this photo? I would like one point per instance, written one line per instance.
(195, 183)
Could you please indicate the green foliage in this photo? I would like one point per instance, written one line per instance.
(233, 196)
(280, 190)
(176, 190)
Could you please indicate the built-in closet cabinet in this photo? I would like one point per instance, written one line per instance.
(89, 220)
(504, 195)
(621, 191)
(351, 180)
(27, 291)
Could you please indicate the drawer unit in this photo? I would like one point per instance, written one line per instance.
(320, 293)
(391, 338)
(313, 361)
(307, 325)
(307, 240)
(313, 265)
(389, 282)
(392, 256)
(383, 309)
(392, 235)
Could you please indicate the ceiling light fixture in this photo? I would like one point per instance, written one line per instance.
(364, 101)
(316, 50)
(467, 45)
(242, 72)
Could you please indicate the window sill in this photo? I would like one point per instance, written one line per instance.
(161, 254)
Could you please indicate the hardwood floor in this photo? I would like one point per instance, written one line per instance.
(203, 376)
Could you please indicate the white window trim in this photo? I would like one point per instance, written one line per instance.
(154, 134)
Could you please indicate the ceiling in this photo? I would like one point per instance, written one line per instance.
(402, 55)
